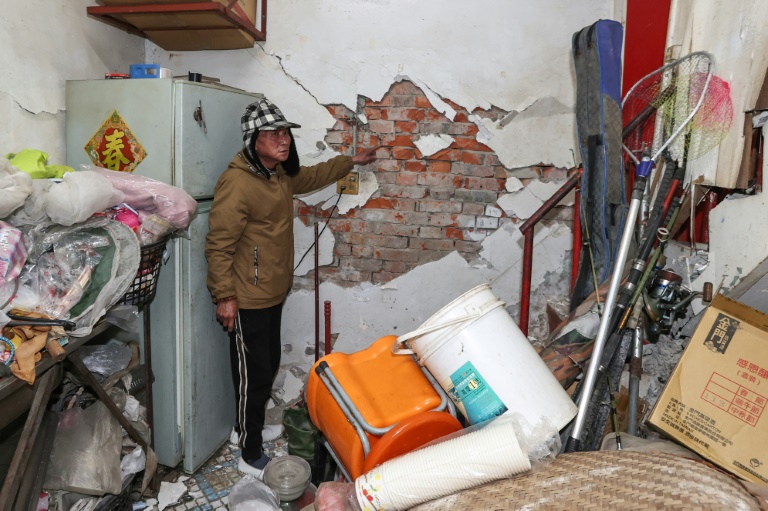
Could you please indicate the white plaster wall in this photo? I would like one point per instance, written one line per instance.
(734, 33)
(44, 43)
(511, 54)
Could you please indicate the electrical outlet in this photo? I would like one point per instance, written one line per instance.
(350, 183)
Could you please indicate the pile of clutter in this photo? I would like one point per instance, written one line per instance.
(70, 246)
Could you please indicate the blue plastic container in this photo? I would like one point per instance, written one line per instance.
(145, 70)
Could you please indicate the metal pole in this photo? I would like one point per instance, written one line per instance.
(635, 373)
(327, 327)
(577, 241)
(643, 169)
(317, 298)
(525, 299)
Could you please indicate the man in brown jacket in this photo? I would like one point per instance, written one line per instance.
(249, 249)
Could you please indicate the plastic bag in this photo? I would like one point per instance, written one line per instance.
(124, 317)
(250, 494)
(15, 187)
(133, 463)
(112, 278)
(79, 196)
(86, 452)
(13, 253)
(333, 496)
(61, 277)
(301, 434)
(149, 196)
(106, 359)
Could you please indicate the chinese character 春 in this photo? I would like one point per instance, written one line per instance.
(113, 156)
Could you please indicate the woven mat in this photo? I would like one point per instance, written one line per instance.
(608, 480)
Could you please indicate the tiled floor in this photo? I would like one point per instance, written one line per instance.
(209, 487)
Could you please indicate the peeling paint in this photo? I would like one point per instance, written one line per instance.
(430, 144)
(513, 184)
(546, 123)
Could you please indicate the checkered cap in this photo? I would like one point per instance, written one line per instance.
(263, 115)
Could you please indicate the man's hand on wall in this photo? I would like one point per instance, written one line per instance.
(226, 312)
(365, 156)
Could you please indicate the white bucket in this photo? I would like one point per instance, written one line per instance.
(487, 366)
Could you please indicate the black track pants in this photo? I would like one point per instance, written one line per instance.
(255, 356)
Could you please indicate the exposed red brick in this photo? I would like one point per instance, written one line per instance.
(461, 116)
(380, 203)
(393, 254)
(470, 144)
(439, 166)
(388, 165)
(423, 102)
(447, 155)
(406, 127)
(397, 140)
(403, 153)
(434, 115)
(382, 126)
(404, 87)
(416, 166)
(471, 158)
(372, 113)
(395, 266)
(453, 233)
(338, 111)
(461, 128)
(362, 251)
(403, 114)
(342, 249)
(385, 101)
(400, 101)
(406, 179)
(483, 183)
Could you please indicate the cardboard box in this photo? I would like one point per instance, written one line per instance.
(180, 31)
(715, 400)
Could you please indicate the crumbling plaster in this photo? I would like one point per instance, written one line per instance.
(44, 44)
(334, 52)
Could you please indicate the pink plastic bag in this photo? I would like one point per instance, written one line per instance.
(149, 196)
(13, 253)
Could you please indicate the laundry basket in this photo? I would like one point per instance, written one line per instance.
(144, 285)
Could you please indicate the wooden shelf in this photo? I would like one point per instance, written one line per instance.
(221, 25)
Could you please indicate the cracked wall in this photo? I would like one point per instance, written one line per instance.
(490, 138)
(44, 44)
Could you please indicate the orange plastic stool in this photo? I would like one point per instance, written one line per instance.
(393, 406)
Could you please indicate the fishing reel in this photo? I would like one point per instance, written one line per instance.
(666, 300)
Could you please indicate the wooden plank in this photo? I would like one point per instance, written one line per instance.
(34, 476)
(21, 457)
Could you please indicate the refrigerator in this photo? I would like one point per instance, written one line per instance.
(182, 133)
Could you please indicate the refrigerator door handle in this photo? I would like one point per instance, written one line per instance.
(198, 115)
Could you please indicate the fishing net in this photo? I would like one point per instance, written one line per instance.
(681, 107)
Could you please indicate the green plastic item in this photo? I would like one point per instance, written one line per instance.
(33, 162)
(302, 435)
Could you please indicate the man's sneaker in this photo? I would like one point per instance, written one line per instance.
(271, 432)
(253, 467)
(234, 438)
